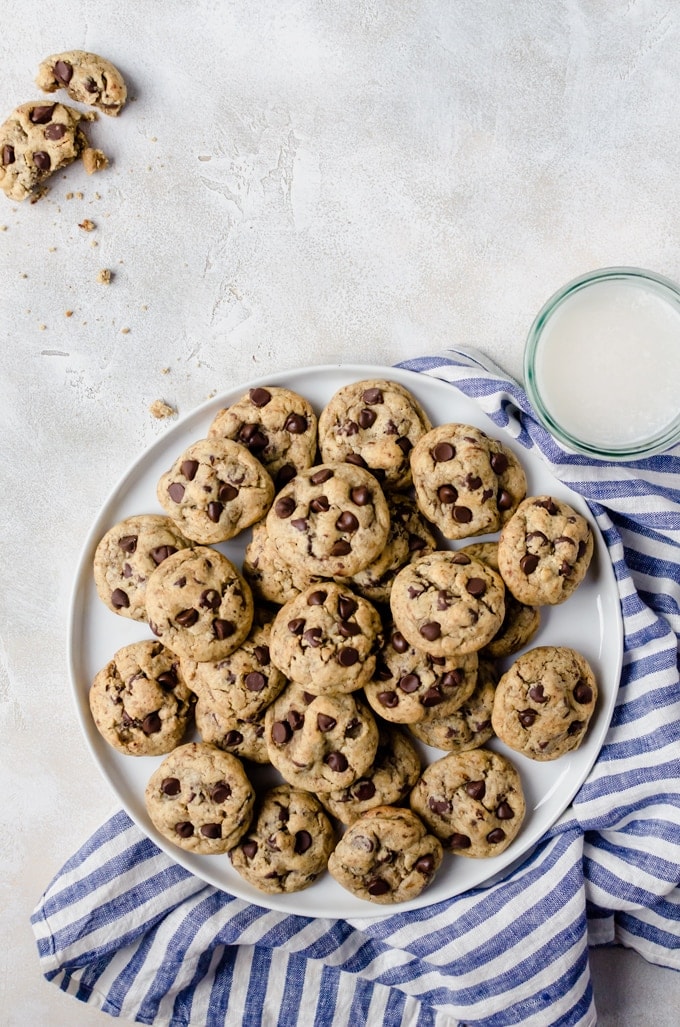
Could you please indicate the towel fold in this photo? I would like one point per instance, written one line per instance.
(126, 929)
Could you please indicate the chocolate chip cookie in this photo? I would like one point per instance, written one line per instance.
(128, 554)
(544, 551)
(520, 622)
(409, 683)
(447, 603)
(410, 536)
(288, 843)
(140, 702)
(200, 799)
(331, 520)
(469, 727)
(217, 724)
(544, 703)
(277, 425)
(466, 482)
(386, 856)
(38, 139)
(86, 77)
(473, 801)
(272, 578)
(373, 424)
(394, 772)
(214, 490)
(326, 639)
(320, 743)
(199, 605)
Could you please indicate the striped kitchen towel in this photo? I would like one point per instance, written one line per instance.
(125, 928)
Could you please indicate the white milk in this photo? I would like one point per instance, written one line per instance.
(608, 363)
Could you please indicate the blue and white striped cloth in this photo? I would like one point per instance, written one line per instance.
(126, 929)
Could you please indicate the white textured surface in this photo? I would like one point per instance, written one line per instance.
(294, 183)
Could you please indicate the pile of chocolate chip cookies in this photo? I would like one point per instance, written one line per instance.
(39, 138)
(361, 622)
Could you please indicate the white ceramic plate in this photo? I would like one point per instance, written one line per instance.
(589, 621)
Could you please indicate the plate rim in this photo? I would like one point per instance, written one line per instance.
(516, 853)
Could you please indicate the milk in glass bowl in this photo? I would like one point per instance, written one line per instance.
(602, 364)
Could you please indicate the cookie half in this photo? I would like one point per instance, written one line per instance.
(37, 140)
(86, 77)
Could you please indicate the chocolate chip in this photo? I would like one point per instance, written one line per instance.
(372, 396)
(232, 738)
(211, 830)
(566, 570)
(348, 629)
(549, 505)
(476, 789)
(363, 790)
(575, 727)
(171, 786)
(476, 587)
(460, 558)
(320, 504)
(325, 722)
(184, 829)
(367, 418)
(459, 841)
(416, 543)
(504, 811)
(347, 606)
(356, 460)
(55, 131)
(90, 85)
(409, 683)
(161, 553)
(282, 732)
(431, 631)
(583, 693)
(340, 548)
(528, 563)
(537, 693)
(186, 618)
(42, 114)
(63, 72)
(296, 424)
(152, 723)
(377, 886)
(261, 654)
(347, 521)
(249, 848)
(361, 495)
(252, 436)
(189, 468)
(462, 515)
(176, 491)
(223, 628)
(496, 836)
(432, 697)
(447, 494)
(499, 462)
(260, 397)
(398, 642)
(297, 625)
(388, 699)
(303, 841)
(296, 719)
(167, 680)
(473, 482)
(337, 762)
(405, 445)
(347, 657)
(443, 452)
(526, 717)
(128, 543)
(42, 161)
(8, 155)
(504, 500)
(300, 524)
(582, 547)
(215, 511)
(313, 637)
(319, 477)
(210, 599)
(439, 805)
(284, 507)
(119, 599)
(255, 681)
(425, 865)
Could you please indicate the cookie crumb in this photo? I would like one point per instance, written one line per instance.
(68, 313)
(43, 328)
(87, 225)
(125, 331)
(160, 409)
(165, 370)
(69, 196)
(94, 160)
(104, 277)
